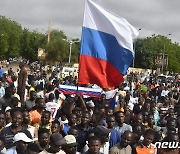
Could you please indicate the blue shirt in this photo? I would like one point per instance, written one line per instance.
(81, 139)
(115, 137)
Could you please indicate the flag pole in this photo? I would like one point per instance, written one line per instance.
(80, 47)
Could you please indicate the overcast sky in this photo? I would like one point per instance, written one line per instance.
(152, 16)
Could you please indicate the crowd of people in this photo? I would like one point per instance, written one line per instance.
(35, 117)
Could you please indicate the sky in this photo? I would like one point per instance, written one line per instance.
(160, 17)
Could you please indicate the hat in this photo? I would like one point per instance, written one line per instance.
(90, 103)
(70, 140)
(57, 139)
(61, 95)
(22, 137)
(7, 108)
(102, 130)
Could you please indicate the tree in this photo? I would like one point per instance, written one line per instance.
(147, 48)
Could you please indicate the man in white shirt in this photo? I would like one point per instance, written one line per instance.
(51, 106)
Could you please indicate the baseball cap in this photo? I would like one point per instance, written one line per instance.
(102, 130)
(21, 137)
(57, 139)
(90, 103)
(70, 140)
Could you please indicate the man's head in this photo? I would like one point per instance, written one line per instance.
(14, 101)
(40, 103)
(55, 127)
(150, 119)
(73, 131)
(147, 106)
(119, 116)
(26, 117)
(85, 119)
(110, 121)
(71, 144)
(102, 110)
(139, 118)
(51, 97)
(2, 118)
(137, 128)
(45, 118)
(33, 148)
(21, 141)
(32, 95)
(43, 137)
(127, 138)
(94, 144)
(103, 133)
(171, 123)
(56, 141)
(109, 111)
(72, 118)
(17, 117)
(148, 137)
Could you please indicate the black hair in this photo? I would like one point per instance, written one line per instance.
(86, 112)
(51, 96)
(109, 108)
(32, 91)
(56, 122)
(33, 147)
(3, 112)
(110, 116)
(15, 110)
(72, 128)
(94, 138)
(43, 131)
(149, 132)
(68, 116)
(37, 99)
(118, 112)
(47, 112)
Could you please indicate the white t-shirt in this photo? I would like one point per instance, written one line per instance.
(52, 107)
(45, 152)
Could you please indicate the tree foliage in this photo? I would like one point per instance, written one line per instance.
(16, 41)
(147, 48)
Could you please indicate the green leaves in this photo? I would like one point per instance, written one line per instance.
(147, 48)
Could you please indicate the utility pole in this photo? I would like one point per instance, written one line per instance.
(49, 31)
(164, 55)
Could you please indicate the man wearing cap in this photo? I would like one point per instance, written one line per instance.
(21, 142)
(59, 97)
(103, 134)
(71, 144)
(56, 141)
(90, 107)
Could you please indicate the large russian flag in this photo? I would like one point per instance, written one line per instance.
(106, 47)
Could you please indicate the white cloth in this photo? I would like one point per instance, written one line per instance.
(11, 151)
(164, 93)
(105, 148)
(132, 101)
(53, 108)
